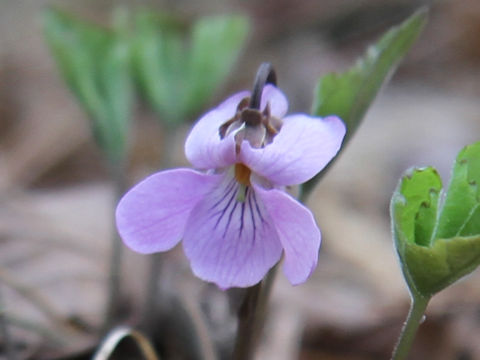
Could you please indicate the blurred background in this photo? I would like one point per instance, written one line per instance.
(56, 197)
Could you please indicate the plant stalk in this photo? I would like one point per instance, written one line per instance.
(152, 300)
(251, 317)
(410, 327)
(117, 173)
(150, 309)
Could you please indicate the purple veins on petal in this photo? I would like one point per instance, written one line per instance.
(297, 231)
(235, 221)
(232, 243)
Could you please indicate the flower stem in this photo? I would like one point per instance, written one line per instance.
(251, 317)
(153, 292)
(152, 300)
(414, 319)
(117, 171)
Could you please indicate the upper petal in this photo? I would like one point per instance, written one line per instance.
(276, 99)
(297, 231)
(151, 217)
(302, 148)
(204, 148)
(230, 242)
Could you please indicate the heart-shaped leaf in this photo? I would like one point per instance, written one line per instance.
(438, 245)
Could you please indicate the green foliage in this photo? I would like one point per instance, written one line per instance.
(437, 245)
(461, 214)
(177, 69)
(349, 94)
(95, 64)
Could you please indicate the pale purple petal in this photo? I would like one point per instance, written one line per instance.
(151, 217)
(297, 231)
(299, 151)
(203, 147)
(229, 242)
(276, 99)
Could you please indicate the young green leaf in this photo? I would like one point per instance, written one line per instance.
(216, 44)
(159, 62)
(179, 70)
(461, 211)
(438, 246)
(429, 270)
(349, 95)
(414, 206)
(95, 64)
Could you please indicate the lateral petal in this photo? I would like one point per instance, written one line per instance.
(151, 217)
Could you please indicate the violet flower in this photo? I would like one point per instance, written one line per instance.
(233, 213)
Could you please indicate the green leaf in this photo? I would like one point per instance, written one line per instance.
(415, 205)
(349, 94)
(216, 44)
(461, 211)
(438, 246)
(432, 269)
(95, 64)
(159, 62)
(178, 69)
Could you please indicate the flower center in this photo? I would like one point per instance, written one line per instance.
(250, 122)
(257, 127)
(242, 174)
